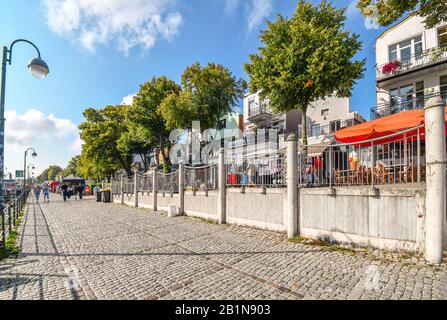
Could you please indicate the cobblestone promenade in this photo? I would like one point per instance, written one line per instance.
(89, 250)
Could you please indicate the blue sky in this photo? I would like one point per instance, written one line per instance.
(100, 51)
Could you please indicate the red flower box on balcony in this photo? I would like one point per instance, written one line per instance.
(391, 67)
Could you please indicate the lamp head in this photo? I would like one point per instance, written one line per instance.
(34, 154)
(38, 68)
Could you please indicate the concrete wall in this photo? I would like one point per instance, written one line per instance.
(163, 202)
(201, 205)
(145, 200)
(253, 208)
(391, 218)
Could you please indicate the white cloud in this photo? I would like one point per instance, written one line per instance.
(24, 129)
(130, 23)
(76, 146)
(258, 12)
(352, 11)
(128, 100)
(231, 6)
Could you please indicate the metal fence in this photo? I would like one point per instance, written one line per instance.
(168, 182)
(10, 215)
(201, 178)
(257, 171)
(129, 186)
(398, 158)
(145, 182)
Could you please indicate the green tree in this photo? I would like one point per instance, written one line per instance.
(101, 132)
(53, 172)
(207, 94)
(389, 11)
(72, 167)
(50, 173)
(146, 124)
(305, 58)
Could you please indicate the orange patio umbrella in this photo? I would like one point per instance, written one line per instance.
(383, 127)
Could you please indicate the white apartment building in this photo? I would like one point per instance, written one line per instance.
(324, 117)
(411, 66)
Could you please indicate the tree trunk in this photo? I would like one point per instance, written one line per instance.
(304, 126)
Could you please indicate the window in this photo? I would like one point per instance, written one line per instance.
(442, 36)
(420, 95)
(251, 107)
(316, 130)
(324, 112)
(404, 50)
(222, 124)
(410, 96)
(335, 125)
(443, 83)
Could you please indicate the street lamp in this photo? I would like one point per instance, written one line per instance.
(34, 154)
(38, 69)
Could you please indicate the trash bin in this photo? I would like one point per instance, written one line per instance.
(105, 195)
(98, 196)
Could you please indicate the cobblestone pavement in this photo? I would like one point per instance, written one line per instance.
(89, 250)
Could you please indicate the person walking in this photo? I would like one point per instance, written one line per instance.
(80, 190)
(37, 190)
(64, 190)
(46, 193)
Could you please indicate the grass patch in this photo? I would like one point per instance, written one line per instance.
(326, 245)
(206, 220)
(11, 247)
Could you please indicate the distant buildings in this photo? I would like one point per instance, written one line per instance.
(324, 117)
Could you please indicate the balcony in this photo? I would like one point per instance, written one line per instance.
(388, 109)
(328, 129)
(259, 113)
(427, 58)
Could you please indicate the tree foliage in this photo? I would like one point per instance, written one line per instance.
(147, 125)
(389, 11)
(207, 94)
(101, 132)
(305, 58)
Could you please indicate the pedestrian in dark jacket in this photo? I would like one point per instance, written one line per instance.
(81, 190)
(64, 189)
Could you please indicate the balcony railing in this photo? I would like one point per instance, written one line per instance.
(258, 110)
(416, 61)
(388, 109)
(328, 129)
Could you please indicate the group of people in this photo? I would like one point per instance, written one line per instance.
(45, 189)
(68, 190)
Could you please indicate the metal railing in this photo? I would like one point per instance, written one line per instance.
(386, 109)
(397, 158)
(201, 178)
(145, 182)
(129, 186)
(10, 215)
(259, 109)
(416, 61)
(168, 182)
(321, 130)
(267, 171)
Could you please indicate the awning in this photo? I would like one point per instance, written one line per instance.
(383, 127)
(316, 150)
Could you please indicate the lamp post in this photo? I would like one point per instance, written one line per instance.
(38, 69)
(34, 154)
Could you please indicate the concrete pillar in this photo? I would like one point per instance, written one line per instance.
(154, 190)
(181, 189)
(292, 187)
(122, 189)
(136, 185)
(221, 199)
(436, 179)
